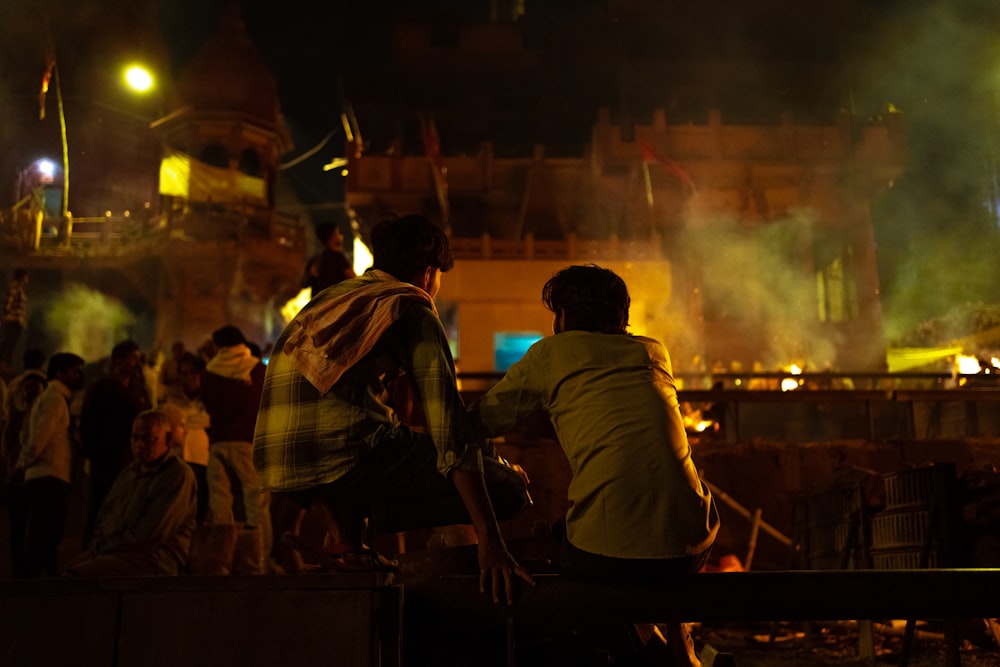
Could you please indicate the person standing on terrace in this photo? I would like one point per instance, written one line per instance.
(638, 511)
(327, 436)
(329, 266)
(15, 314)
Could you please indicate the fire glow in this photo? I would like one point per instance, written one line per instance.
(789, 384)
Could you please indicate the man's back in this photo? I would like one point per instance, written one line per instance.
(612, 402)
(232, 404)
(109, 408)
(305, 437)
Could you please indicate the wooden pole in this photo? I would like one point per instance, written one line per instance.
(722, 496)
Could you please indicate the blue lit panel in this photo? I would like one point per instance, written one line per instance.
(510, 346)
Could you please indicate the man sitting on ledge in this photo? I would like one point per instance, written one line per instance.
(638, 511)
(145, 524)
(327, 434)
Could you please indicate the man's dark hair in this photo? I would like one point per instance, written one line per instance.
(33, 359)
(20, 273)
(123, 349)
(592, 299)
(62, 362)
(228, 336)
(324, 231)
(405, 246)
(192, 359)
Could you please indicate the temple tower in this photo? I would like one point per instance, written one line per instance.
(232, 255)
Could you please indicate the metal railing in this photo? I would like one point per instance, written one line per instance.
(907, 406)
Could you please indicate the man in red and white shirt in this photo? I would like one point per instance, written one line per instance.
(15, 314)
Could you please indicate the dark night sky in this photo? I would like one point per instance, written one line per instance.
(936, 60)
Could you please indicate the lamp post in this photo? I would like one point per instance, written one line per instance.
(136, 77)
(64, 209)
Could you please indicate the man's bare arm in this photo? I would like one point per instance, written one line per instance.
(497, 568)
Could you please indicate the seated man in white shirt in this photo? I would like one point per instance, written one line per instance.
(638, 511)
(145, 524)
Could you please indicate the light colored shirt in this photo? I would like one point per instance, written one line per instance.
(635, 491)
(194, 449)
(149, 510)
(46, 450)
(305, 438)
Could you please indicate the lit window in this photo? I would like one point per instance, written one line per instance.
(510, 346)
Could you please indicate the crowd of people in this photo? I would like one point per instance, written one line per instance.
(151, 478)
(357, 417)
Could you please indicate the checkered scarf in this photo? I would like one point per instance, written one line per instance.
(332, 335)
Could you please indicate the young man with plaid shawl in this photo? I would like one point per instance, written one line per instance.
(327, 434)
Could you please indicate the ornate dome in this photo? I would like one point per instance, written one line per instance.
(229, 74)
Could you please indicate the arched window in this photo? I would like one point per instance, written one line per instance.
(250, 162)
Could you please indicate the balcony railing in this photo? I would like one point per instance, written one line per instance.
(116, 235)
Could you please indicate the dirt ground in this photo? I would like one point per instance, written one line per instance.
(836, 645)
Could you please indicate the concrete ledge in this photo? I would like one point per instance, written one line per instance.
(350, 620)
(804, 595)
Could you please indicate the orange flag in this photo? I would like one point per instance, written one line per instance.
(50, 65)
(650, 154)
(432, 147)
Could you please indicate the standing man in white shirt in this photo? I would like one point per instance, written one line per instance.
(47, 460)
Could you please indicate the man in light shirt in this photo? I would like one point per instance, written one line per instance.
(47, 460)
(145, 524)
(638, 511)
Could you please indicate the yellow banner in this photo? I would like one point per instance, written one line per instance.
(183, 176)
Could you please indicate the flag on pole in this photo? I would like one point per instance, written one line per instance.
(432, 148)
(50, 64)
(650, 154)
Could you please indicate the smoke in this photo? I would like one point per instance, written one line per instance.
(936, 229)
(760, 275)
(86, 322)
(756, 278)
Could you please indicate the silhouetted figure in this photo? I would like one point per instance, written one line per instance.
(110, 405)
(15, 314)
(169, 382)
(329, 266)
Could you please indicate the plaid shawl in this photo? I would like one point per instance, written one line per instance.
(330, 337)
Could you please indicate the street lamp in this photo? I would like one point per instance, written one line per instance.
(136, 77)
